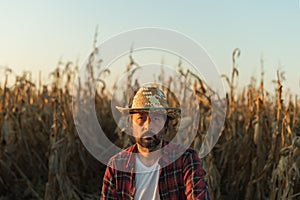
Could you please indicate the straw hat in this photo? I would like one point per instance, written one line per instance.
(153, 99)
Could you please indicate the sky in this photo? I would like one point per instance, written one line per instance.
(35, 35)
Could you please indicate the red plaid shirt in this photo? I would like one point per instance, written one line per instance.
(182, 179)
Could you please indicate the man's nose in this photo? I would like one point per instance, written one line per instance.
(147, 122)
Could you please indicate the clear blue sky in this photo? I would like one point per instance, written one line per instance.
(35, 34)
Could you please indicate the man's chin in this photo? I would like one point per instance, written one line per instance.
(152, 145)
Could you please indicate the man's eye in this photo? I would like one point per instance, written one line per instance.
(141, 118)
(158, 117)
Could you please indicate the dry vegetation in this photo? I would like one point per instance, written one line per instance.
(42, 157)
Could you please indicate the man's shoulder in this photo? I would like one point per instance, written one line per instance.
(190, 151)
(177, 153)
(124, 154)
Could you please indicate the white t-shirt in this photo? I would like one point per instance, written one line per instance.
(146, 180)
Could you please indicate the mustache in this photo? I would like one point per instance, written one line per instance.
(149, 134)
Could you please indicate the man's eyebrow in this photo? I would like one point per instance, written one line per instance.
(139, 112)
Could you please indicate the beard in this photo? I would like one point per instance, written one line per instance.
(150, 140)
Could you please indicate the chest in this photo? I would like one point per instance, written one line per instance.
(170, 183)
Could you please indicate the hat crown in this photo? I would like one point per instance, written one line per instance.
(149, 97)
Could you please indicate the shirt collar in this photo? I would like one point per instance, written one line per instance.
(131, 159)
(165, 159)
(167, 155)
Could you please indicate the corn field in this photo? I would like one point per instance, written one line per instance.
(42, 157)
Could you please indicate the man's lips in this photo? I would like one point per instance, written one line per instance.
(148, 138)
(148, 135)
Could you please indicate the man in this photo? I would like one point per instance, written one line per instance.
(153, 168)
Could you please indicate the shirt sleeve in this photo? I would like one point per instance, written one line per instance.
(109, 185)
(195, 185)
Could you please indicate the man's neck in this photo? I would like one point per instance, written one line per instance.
(147, 157)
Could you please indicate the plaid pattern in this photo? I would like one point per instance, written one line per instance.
(182, 179)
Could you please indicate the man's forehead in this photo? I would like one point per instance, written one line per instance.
(151, 113)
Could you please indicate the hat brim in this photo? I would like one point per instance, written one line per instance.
(172, 112)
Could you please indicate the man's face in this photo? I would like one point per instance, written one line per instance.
(148, 129)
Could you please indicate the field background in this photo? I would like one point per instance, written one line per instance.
(41, 156)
